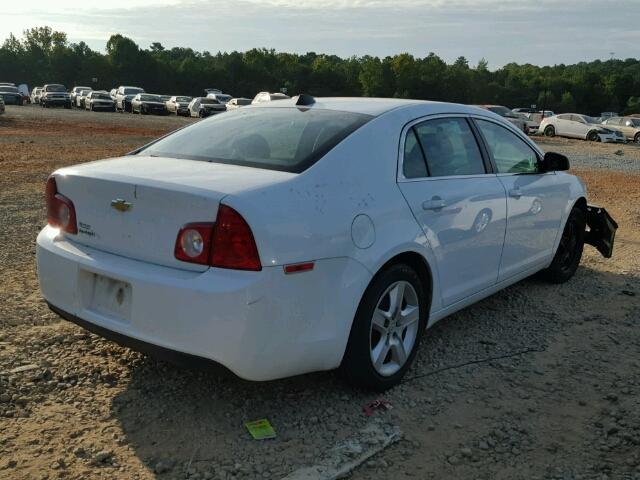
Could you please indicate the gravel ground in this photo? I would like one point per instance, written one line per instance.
(537, 381)
(594, 155)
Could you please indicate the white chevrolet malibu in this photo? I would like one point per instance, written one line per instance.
(310, 234)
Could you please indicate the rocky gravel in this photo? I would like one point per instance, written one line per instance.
(535, 382)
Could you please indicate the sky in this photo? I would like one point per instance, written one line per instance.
(542, 32)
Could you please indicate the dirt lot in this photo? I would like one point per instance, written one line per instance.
(537, 381)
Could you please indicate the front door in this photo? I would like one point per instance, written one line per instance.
(460, 207)
(535, 201)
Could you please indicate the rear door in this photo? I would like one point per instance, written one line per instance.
(563, 126)
(459, 205)
(535, 201)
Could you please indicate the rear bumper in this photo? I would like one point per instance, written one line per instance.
(260, 325)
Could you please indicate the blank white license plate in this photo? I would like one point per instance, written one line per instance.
(106, 296)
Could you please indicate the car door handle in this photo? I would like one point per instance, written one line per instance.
(515, 193)
(436, 203)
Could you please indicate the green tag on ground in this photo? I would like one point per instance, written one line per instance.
(260, 429)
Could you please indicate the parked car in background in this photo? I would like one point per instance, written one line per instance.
(178, 105)
(11, 95)
(575, 125)
(74, 93)
(35, 95)
(532, 125)
(204, 107)
(147, 103)
(203, 242)
(629, 126)
(263, 97)
(55, 94)
(519, 122)
(81, 96)
(606, 115)
(2, 109)
(526, 111)
(99, 100)
(222, 98)
(236, 103)
(124, 96)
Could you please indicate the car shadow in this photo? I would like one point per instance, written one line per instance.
(179, 419)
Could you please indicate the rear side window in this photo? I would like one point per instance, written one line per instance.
(510, 153)
(286, 139)
(413, 165)
(450, 147)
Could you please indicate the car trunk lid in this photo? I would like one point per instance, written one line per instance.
(134, 206)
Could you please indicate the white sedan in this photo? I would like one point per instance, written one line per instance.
(310, 234)
(574, 125)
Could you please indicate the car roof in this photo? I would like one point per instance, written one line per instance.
(375, 106)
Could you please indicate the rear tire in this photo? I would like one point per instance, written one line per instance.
(567, 257)
(549, 131)
(637, 138)
(386, 330)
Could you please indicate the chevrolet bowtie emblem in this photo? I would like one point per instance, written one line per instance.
(121, 205)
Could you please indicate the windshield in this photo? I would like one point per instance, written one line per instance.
(285, 139)
(150, 98)
(132, 91)
(101, 96)
(183, 99)
(55, 88)
(635, 122)
(4, 88)
(591, 119)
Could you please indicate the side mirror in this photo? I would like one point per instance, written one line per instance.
(554, 162)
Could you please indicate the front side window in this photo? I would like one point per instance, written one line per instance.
(510, 153)
(285, 139)
(450, 147)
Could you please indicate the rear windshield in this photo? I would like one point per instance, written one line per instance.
(285, 139)
(132, 91)
(183, 99)
(6, 89)
(210, 101)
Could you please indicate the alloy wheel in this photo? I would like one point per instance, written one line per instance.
(394, 328)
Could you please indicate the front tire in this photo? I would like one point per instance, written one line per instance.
(386, 330)
(637, 138)
(567, 257)
(593, 136)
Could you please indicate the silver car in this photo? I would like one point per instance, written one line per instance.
(99, 100)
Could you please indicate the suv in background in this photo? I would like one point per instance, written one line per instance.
(124, 95)
(55, 94)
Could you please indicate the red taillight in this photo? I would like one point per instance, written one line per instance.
(194, 243)
(60, 210)
(233, 245)
(228, 243)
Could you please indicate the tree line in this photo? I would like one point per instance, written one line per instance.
(43, 55)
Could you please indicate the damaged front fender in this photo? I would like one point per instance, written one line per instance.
(601, 230)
